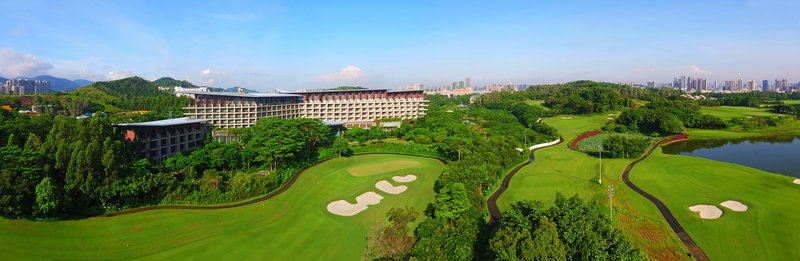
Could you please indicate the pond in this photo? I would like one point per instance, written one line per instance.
(776, 155)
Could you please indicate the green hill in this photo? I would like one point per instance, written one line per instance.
(170, 82)
(131, 94)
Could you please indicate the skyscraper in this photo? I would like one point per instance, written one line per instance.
(765, 85)
(469, 84)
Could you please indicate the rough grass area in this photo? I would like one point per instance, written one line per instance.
(294, 225)
(564, 170)
(766, 231)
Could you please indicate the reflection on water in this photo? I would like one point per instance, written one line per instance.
(775, 154)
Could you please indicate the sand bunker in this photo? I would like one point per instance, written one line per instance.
(344, 208)
(796, 181)
(404, 179)
(387, 187)
(734, 205)
(566, 118)
(610, 118)
(707, 211)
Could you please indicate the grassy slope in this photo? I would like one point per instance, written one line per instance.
(767, 231)
(561, 169)
(788, 102)
(293, 225)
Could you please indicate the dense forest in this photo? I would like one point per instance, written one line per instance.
(83, 166)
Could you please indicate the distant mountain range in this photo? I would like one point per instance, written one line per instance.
(57, 84)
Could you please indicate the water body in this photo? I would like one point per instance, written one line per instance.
(776, 155)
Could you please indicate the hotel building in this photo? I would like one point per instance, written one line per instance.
(164, 138)
(351, 107)
(236, 110)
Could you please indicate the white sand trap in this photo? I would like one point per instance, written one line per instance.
(566, 118)
(344, 208)
(387, 187)
(707, 211)
(796, 181)
(734, 205)
(610, 118)
(404, 179)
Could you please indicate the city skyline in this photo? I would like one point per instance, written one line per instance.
(310, 45)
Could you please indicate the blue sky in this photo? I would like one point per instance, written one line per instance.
(385, 44)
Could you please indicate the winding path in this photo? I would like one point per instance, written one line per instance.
(240, 204)
(494, 212)
(694, 250)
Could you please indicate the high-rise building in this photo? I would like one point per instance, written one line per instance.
(651, 84)
(26, 86)
(461, 84)
(780, 85)
(469, 82)
(765, 85)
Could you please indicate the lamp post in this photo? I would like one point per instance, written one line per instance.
(601, 163)
(611, 203)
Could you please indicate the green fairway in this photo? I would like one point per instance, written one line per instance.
(538, 103)
(768, 230)
(790, 102)
(729, 112)
(561, 169)
(294, 225)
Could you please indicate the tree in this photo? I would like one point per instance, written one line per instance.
(451, 200)
(275, 141)
(359, 134)
(48, 198)
(340, 147)
(544, 243)
(20, 172)
(392, 241)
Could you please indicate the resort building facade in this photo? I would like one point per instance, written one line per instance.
(164, 138)
(351, 107)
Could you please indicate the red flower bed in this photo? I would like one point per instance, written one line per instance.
(675, 138)
(574, 143)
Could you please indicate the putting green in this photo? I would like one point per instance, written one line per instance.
(766, 231)
(381, 166)
(561, 169)
(294, 225)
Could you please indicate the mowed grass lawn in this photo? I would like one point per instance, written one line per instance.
(791, 126)
(730, 112)
(768, 230)
(292, 226)
(561, 169)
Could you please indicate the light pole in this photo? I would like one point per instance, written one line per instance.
(611, 204)
(601, 163)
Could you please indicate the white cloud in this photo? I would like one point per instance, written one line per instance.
(349, 73)
(209, 77)
(14, 63)
(697, 69)
(116, 75)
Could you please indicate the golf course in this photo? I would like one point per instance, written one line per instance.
(765, 230)
(292, 225)
(564, 170)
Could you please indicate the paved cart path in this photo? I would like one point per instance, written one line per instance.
(494, 212)
(694, 250)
